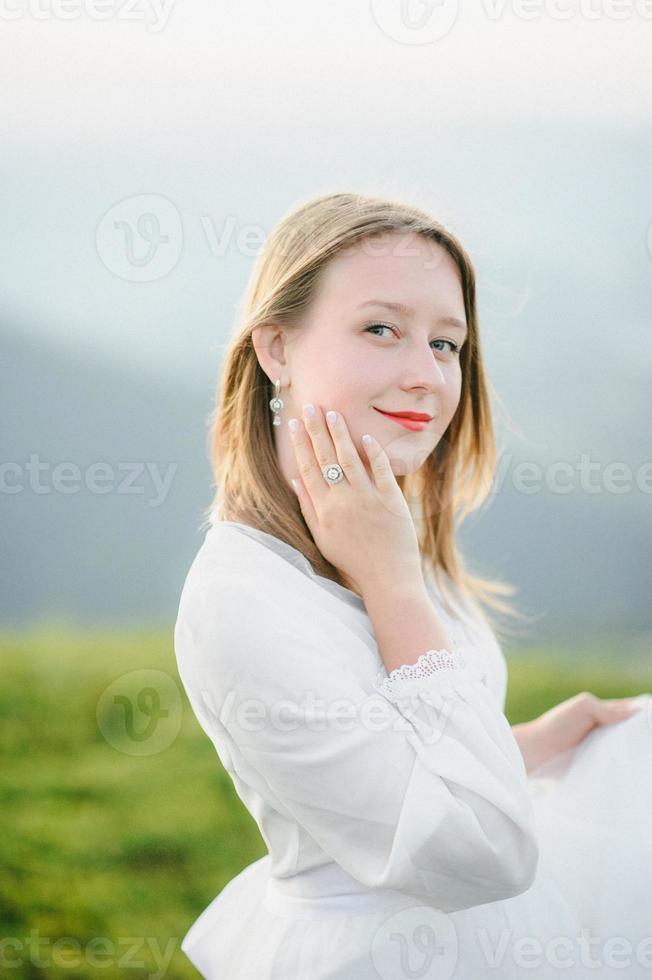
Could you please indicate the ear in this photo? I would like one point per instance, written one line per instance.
(269, 341)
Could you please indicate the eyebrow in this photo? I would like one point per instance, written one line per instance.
(451, 321)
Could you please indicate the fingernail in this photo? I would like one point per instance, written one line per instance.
(294, 424)
(331, 416)
(309, 411)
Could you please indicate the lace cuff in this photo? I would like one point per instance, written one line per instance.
(405, 680)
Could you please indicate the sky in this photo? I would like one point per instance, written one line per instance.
(187, 69)
(149, 149)
(524, 126)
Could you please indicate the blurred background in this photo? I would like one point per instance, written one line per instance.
(148, 149)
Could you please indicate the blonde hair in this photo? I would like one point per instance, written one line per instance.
(452, 482)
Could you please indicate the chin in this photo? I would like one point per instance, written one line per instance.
(405, 465)
(402, 467)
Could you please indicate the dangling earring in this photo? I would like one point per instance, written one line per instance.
(276, 404)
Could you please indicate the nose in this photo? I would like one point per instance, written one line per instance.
(423, 370)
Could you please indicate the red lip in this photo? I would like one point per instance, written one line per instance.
(416, 416)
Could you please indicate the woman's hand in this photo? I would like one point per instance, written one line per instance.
(362, 524)
(566, 725)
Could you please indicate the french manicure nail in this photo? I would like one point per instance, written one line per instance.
(309, 411)
(294, 424)
(331, 416)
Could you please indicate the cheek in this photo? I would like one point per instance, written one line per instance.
(452, 393)
(458, 389)
(334, 371)
(348, 384)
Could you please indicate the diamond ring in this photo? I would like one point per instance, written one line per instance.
(333, 473)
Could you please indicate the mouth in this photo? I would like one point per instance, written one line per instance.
(414, 421)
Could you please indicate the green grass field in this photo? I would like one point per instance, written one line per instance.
(111, 846)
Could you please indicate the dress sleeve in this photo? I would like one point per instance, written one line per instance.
(413, 782)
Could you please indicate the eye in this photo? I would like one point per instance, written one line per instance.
(455, 348)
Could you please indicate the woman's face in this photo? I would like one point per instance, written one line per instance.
(357, 356)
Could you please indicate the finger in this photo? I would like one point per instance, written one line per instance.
(614, 710)
(309, 471)
(322, 443)
(616, 703)
(305, 503)
(626, 706)
(347, 454)
(380, 465)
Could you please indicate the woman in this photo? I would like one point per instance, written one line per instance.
(344, 662)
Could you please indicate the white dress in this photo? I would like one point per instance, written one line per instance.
(404, 837)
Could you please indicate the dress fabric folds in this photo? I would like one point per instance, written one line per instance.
(404, 837)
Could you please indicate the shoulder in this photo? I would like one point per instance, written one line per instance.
(231, 565)
(245, 605)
